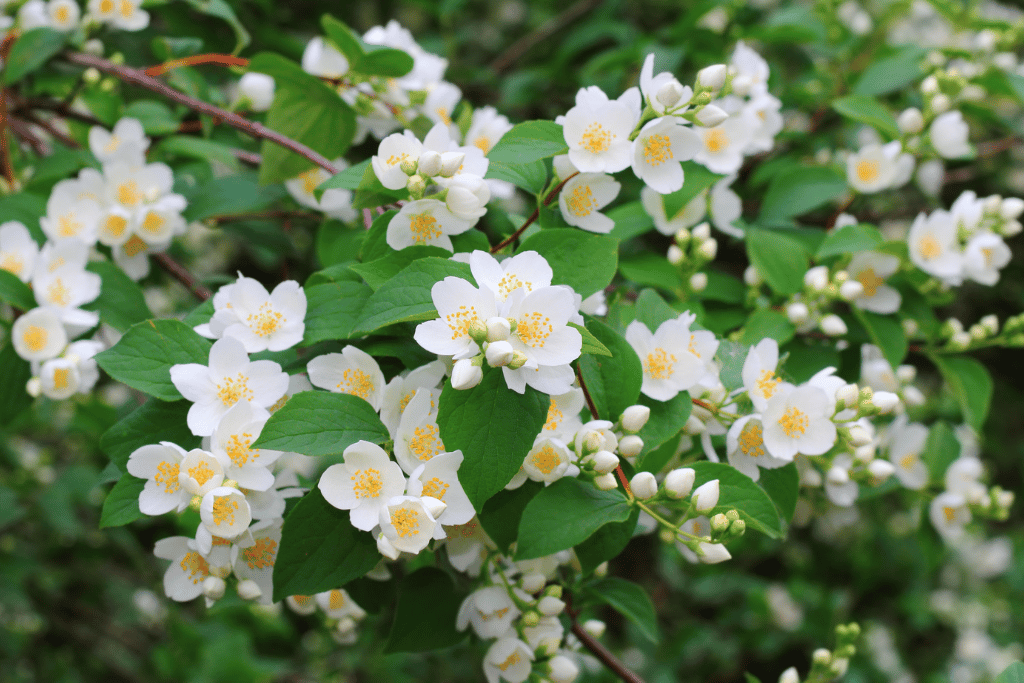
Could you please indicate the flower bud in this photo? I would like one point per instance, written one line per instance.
(213, 587)
(702, 231)
(630, 446)
(592, 441)
(709, 249)
(848, 395)
(712, 76)
(643, 485)
(930, 85)
(92, 75)
(752, 277)
(594, 627)
(816, 279)
(838, 476)
(910, 327)
(1011, 208)
(710, 116)
(912, 396)
(850, 290)
(797, 313)
(694, 426)
(859, 436)
(604, 461)
(635, 417)
(530, 619)
(258, 89)
(249, 590)
(94, 46)
(864, 453)
(451, 162)
(706, 496)
(605, 482)
(416, 185)
(699, 282)
(385, 548)
(713, 553)
(940, 104)
(467, 197)
(790, 675)
(885, 401)
(518, 360)
(821, 657)
(669, 94)
(682, 237)
(466, 375)
(880, 470)
(498, 329)
(719, 524)
(408, 166)
(911, 121)
(675, 255)
(679, 482)
(833, 325)
(562, 669)
(34, 387)
(741, 85)
(534, 582)
(550, 606)
(499, 354)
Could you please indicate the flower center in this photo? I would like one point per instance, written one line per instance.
(153, 222)
(426, 442)
(368, 483)
(716, 140)
(310, 180)
(546, 459)
(195, 566)
(870, 280)
(657, 149)
(751, 440)
(68, 226)
(459, 321)
(238, 449)
(60, 378)
(510, 283)
(58, 293)
(115, 142)
(167, 476)
(435, 488)
(555, 417)
(224, 509)
(596, 138)
(201, 472)
(355, 382)
(794, 422)
(483, 143)
(336, 599)
(767, 384)
(534, 329)
(265, 321)
(929, 247)
(127, 9)
(35, 338)
(581, 201)
(659, 365)
(949, 513)
(424, 227)
(234, 389)
(867, 171)
(261, 554)
(134, 246)
(12, 263)
(128, 193)
(115, 225)
(511, 661)
(406, 522)
(908, 460)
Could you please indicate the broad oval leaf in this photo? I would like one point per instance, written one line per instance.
(614, 381)
(426, 614)
(321, 423)
(143, 357)
(529, 141)
(406, 296)
(629, 600)
(584, 261)
(971, 384)
(565, 514)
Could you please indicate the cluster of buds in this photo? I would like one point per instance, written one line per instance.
(691, 251)
(810, 308)
(985, 332)
(945, 87)
(828, 665)
(600, 444)
(496, 351)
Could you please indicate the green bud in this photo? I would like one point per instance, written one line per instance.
(737, 528)
(518, 360)
(732, 515)
(554, 590)
(530, 619)
(477, 332)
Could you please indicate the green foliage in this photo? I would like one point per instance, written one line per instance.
(781, 259)
(152, 422)
(321, 423)
(425, 615)
(796, 191)
(629, 600)
(584, 261)
(502, 512)
(333, 309)
(15, 292)
(120, 303)
(145, 354)
(406, 296)
(591, 344)
(696, 179)
(528, 142)
(865, 109)
(565, 514)
(849, 239)
(30, 51)
(612, 382)
(121, 506)
(971, 385)
(738, 491)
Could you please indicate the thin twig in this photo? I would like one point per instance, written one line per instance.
(182, 275)
(22, 130)
(604, 654)
(367, 218)
(533, 216)
(516, 50)
(586, 394)
(56, 134)
(224, 60)
(5, 153)
(139, 78)
(59, 108)
(251, 158)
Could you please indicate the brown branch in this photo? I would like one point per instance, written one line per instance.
(56, 134)
(22, 130)
(5, 153)
(251, 158)
(224, 60)
(604, 654)
(60, 108)
(516, 50)
(182, 275)
(533, 216)
(139, 78)
(586, 394)
(367, 218)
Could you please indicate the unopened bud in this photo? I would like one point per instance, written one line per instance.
(880, 470)
(719, 524)
(911, 121)
(594, 627)
(940, 104)
(408, 166)
(848, 395)
(885, 401)
(430, 164)
(816, 279)
(713, 553)
(498, 329)
(249, 590)
(675, 255)
(34, 387)
(699, 282)
(534, 582)
(518, 360)
(752, 277)
(91, 75)
(741, 85)
(451, 162)
(797, 313)
(213, 587)
(711, 116)
(416, 185)
(709, 249)
(499, 354)
(679, 482)
(821, 657)
(592, 441)
(838, 476)
(706, 496)
(604, 461)
(930, 85)
(643, 485)
(833, 325)
(712, 76)
(550, 606)
(605, 482)
(682, 237)
(702, 231)
(669, 94)
(850, 290)
(790, 675)
(859, 436)
(466, 375)
(562, 669)
(530, 619)
(635, 417)
(630, 446)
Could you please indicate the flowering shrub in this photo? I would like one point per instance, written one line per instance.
(496, 355)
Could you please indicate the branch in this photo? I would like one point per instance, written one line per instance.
(604, 654)
(514, 52)
(139, 78)
(5, 153)
(182, 275)
(56, 134)
(533, 216)
(225, 60)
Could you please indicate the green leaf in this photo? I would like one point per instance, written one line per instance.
(320, 549)
(377, 272)
(971, 384)
(426, 614)
(631, 220)
(795, 191)
(696, 179)
(494, 427)
(783, 486)
(385, 61)
(120, 303)
(764, 323)
(198, 148)
(892, 73)
(866, 109)
(1012, 674)
(222, 10)
(652, 310)
(503, 511)
(848, 239)
(591, 344)
(156, 117)
(230, 195)
(332, 310)
(738, 491)
(584, 261)
(349, 179)
(565, 514)
(15, 292)
(606, 543)
(10, 511)
(652, 270)
(30, 51)
(13, 397)
(612, 382)
(780, 259)
(375, 245)
(529, 141)
(371, 193)
(152, 422)
(629, 600)
(940, 450)
(886, 333)
(344, 38)
(732, 356)
(321, 423)
(143, 357)
(26, 208)
(667, 419)
(532, 176)
(121, 506)
(406, 296)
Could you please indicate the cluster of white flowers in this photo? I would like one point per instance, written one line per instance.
(66, 15)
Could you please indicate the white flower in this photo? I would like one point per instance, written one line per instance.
(651, 86)
(334, 203)
(486, 128)
(933, 246)
(597, 132)
(746, 450)
(363, 483)
(320, 58)
(441, 102)
(549, 460)
(338, 604)
(38, 335)
(258, 89)
(563, 419)
(225, 512)
(392, 152)
(126, 142)
(32, 15)
(418, 438)
(948, 134)
(232, 443)
(64, 14)
(63, 288)
(400, 390)
(70, 215)
(705, 497)
(490, 611)
(160, 465)
(18, 250)
(875, 167)
(261, 321)
(764, 111)
(59, 378)
(467, 546)
(439, 478)
(799, 421)
(426, 222)
(467, 197)
(509, 659)
(906, 444)
(542, 333)
(408, 522)
(750, 67)
(870, 269)
(669, 363)
(949, 514)
(255, 561)
(839, 488)
(229, 378)
(123, 14)
(353, 371)
(200, 472)
(759, 378)
(661, 144)
(721, 147)
(527, 270)
(962, 477)
(725, 207)
(984, 255)
(691, 214)
(470, 159)
(183, 580)
(547, 379)
(459, 305)
(584, 195)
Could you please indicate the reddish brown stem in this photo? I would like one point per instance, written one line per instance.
(182, 275)
(604, 654)
(533, 216)
(586, 394)
(5, 153)
(224, 60)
